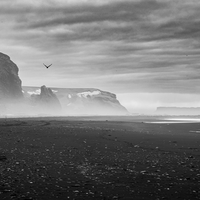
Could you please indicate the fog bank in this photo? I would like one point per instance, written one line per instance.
(147, 103)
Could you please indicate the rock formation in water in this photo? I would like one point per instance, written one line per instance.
(47, 102)
(10, 83)
(85, 101)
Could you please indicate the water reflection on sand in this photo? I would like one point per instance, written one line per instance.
(175, 120)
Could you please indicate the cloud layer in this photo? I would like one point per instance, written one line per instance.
(121, 46)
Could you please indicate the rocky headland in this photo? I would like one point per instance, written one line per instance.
(15, 99)
(10, 83)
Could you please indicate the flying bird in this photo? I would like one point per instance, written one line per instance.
(47, 66)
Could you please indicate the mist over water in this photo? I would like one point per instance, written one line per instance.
(135, 103)
(147, 103)
(26, 109)
(23, 109)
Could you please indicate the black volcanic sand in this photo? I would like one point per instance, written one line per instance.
(98, 158)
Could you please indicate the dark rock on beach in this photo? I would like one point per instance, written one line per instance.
(3, 158)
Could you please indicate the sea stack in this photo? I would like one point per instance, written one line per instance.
(47, 101)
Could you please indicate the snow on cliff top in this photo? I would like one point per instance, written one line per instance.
(34, 92)
(85, 94)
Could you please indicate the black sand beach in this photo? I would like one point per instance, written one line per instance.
(98, 158)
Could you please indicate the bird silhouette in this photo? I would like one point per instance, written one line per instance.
(47, 66)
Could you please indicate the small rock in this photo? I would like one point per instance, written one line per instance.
(3, 158)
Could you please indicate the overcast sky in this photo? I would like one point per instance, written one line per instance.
(122, 46)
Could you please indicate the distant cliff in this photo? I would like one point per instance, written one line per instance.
(178, 110)
(10, 83)
(84, 101)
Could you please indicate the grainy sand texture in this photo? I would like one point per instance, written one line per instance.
(98, 158)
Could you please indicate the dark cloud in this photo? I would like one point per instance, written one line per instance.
(127, 20)
(119, 11)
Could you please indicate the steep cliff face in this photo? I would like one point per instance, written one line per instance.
(84, 101)
(10, 83)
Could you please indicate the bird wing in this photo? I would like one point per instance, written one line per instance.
(47, 66)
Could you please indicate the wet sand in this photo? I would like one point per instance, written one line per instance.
(98, 158)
